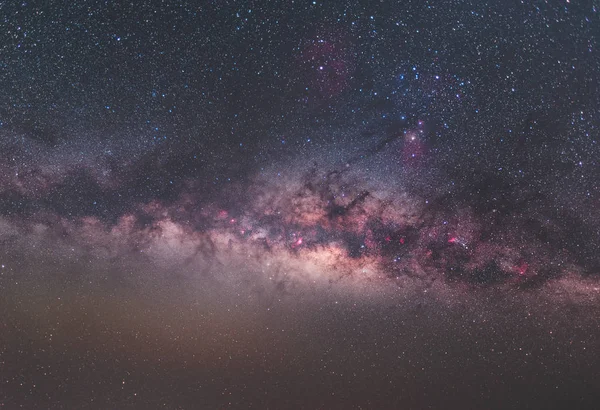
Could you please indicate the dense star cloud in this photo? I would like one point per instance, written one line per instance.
(299, 205)
(482, 231)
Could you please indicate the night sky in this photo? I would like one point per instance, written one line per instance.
(300, 204)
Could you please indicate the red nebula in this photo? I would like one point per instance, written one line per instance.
(522, 268)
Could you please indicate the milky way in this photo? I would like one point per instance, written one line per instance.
(397, 217)
(299, 205)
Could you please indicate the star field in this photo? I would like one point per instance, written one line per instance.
(303, 204)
